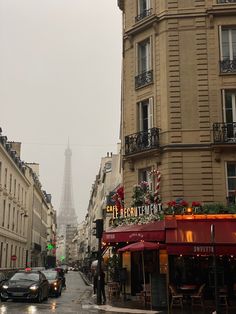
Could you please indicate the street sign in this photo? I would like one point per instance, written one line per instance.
(13, 257)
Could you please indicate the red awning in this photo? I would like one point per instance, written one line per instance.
(153, 231)
(193, 237)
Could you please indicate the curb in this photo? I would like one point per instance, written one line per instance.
(85, 279)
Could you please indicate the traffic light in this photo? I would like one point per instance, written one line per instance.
(99, 228)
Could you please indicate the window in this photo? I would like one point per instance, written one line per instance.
(145, 74)
(10, 187)
(144, 9)
(5, 178)
(144, 175)
(228, 49)
(3, 212)
(231, 182)
(145, 114)
(0, 173)
(229, 104)
(144, 56)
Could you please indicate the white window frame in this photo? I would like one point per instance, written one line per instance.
(149, 103)
(148, 60)
(227, 177)
(149, 177)
(233, 97)
(229, 29)
(148, 5)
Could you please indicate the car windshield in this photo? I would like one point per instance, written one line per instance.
(25, 276)
(50, 275)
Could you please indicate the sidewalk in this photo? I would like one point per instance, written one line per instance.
(121, 306)
(136, 307)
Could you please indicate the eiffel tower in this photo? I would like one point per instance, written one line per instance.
(67, 215)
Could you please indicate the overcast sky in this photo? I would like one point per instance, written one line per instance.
(60, 74)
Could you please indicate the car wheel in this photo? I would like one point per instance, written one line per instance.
(3, 299)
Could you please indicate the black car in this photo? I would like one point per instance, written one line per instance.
(27, 285)
(55, 282)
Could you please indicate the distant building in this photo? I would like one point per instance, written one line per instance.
(67, 219)
(24, 210)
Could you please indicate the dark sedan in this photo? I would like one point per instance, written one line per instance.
(26, 285)
(55, 282)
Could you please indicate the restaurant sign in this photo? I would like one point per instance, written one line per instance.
(145, 210)
(201, 249)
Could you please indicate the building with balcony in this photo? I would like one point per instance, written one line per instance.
(179, 98)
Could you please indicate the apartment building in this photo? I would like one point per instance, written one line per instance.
(24, 208)
(14, 206)
(179, 98)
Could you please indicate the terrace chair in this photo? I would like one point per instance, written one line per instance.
(197, 298)
(176, 297)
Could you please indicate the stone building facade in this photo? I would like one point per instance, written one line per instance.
(179, 97)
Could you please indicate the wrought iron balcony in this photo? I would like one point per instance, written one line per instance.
(143, 14)
(142, 141)
(144, 79)
(228, 66)
(226, 1)
(224, 133)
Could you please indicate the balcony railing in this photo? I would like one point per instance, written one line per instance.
(142, 141)
(143, 79)
(228, 66)
(224, 133)
(226, 1)
(143, 14)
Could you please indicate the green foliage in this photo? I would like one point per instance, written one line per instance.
(113, 266)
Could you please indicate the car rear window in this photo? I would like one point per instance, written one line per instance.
(50, 275)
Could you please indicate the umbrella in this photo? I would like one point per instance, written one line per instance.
(141, 247)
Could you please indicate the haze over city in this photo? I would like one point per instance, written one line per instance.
(60, 78)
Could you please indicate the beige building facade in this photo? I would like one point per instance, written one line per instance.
(179, 98)
(14, 206)
(24, 210)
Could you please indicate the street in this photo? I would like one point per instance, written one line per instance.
(73, 298)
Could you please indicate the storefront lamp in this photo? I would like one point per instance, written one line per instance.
(189, 210)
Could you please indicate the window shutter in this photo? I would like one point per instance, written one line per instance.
(140, 116)
(150, 113)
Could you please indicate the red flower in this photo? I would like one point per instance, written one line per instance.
(196, 204)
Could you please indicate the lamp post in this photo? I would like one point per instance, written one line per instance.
(99, 231)
(215, 269)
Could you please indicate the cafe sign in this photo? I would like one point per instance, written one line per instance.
(138, 211)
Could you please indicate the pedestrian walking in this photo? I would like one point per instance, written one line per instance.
(102, 285)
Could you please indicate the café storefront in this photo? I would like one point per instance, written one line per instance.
(184, 256)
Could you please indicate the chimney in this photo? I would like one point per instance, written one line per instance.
(17, 147)
(35, 167)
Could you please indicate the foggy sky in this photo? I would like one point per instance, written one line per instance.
(60, 65)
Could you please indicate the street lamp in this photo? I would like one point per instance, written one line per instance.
(99, 231)
(215, 268)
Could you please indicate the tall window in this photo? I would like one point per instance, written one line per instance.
(145, 114)
(229, 104)
(3, 212)
(231, 182)
(10, 187)
(144, 57)
(144, 175)
(0, 172)
(144, 64)
(144, 9)
(228, 49)
(5, 178)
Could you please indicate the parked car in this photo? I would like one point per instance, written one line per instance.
(25, 284)
(55, 282)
